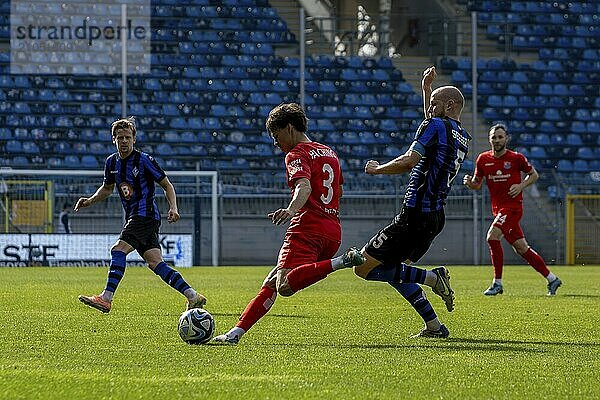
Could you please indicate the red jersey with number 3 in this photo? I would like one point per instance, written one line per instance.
(500, 174)
(320, 165)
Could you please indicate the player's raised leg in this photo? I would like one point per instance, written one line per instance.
(438, 278)
(305, 275)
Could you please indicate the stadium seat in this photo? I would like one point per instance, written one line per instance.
(574, 139)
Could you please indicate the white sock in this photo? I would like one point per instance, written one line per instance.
(106, 295)
(337, 262)
(434, 324)
(430, 279)
(236, 331)
(551, 277)
(190, 294)
(497, 281)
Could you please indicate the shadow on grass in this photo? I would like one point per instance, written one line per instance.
(215, 314)
(521, 342)
(439, 344)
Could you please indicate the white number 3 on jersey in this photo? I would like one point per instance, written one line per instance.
(327, 184)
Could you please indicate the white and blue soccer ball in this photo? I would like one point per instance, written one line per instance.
(196, 326)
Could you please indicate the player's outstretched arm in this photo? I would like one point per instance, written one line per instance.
(399, 165)
(429, 76)
(173, 213)
(302, 191)
(102, 193)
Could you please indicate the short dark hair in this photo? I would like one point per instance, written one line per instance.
(498, 126)
(284, 114)
(123, 123)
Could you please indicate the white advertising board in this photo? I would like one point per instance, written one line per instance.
(84, 250)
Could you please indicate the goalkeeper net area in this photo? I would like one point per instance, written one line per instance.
(39, 227)
(583, 229)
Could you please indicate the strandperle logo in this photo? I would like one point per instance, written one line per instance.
(80, 37)
(82, 32)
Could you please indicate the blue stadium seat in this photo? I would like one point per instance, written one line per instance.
(580, 166)
(89, 161)
(72, 161)
(552, 114)
(538, 152)
(574, 139)
(586, 153)
(541, 139)
(578, 127)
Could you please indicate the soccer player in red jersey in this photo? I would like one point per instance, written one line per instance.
(314, 234)
(502, 170)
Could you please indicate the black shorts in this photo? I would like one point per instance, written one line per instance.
(141, 233)
(407, 237)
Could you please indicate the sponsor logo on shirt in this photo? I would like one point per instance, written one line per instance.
(126, 190)
(294, 166)
(460, 138)
(498, 177)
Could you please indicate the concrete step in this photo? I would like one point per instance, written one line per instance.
(316, 43)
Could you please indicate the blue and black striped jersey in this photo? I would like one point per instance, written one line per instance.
(443, 145)
(134, 177)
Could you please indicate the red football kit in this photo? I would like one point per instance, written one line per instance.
(315, 231)
(500, 174)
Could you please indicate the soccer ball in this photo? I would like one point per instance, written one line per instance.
(196, 326)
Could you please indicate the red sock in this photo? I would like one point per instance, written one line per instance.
(257, 308)
(536, 261)
(305, 275)
(497, 256)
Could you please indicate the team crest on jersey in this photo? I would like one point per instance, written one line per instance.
(135, 171)
(507, 164)
(126, 190)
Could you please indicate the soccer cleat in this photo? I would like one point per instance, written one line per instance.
(553, 286)
(442, 287)
(441, 333)
(226, 340)
(96, 302)
(494, 290)
(352, 258)
(198, 301)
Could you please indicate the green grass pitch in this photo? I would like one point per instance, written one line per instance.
(342, 338)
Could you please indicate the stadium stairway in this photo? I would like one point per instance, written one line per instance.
(289, 11)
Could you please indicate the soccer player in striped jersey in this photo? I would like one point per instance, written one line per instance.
(314, 234)
(134, 173)
(502, 170)
(433, 161)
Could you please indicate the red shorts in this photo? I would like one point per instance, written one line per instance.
(507, 221)
(305, 248)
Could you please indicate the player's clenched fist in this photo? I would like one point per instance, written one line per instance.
(468, 180)
(172, 216)
(371, 166)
